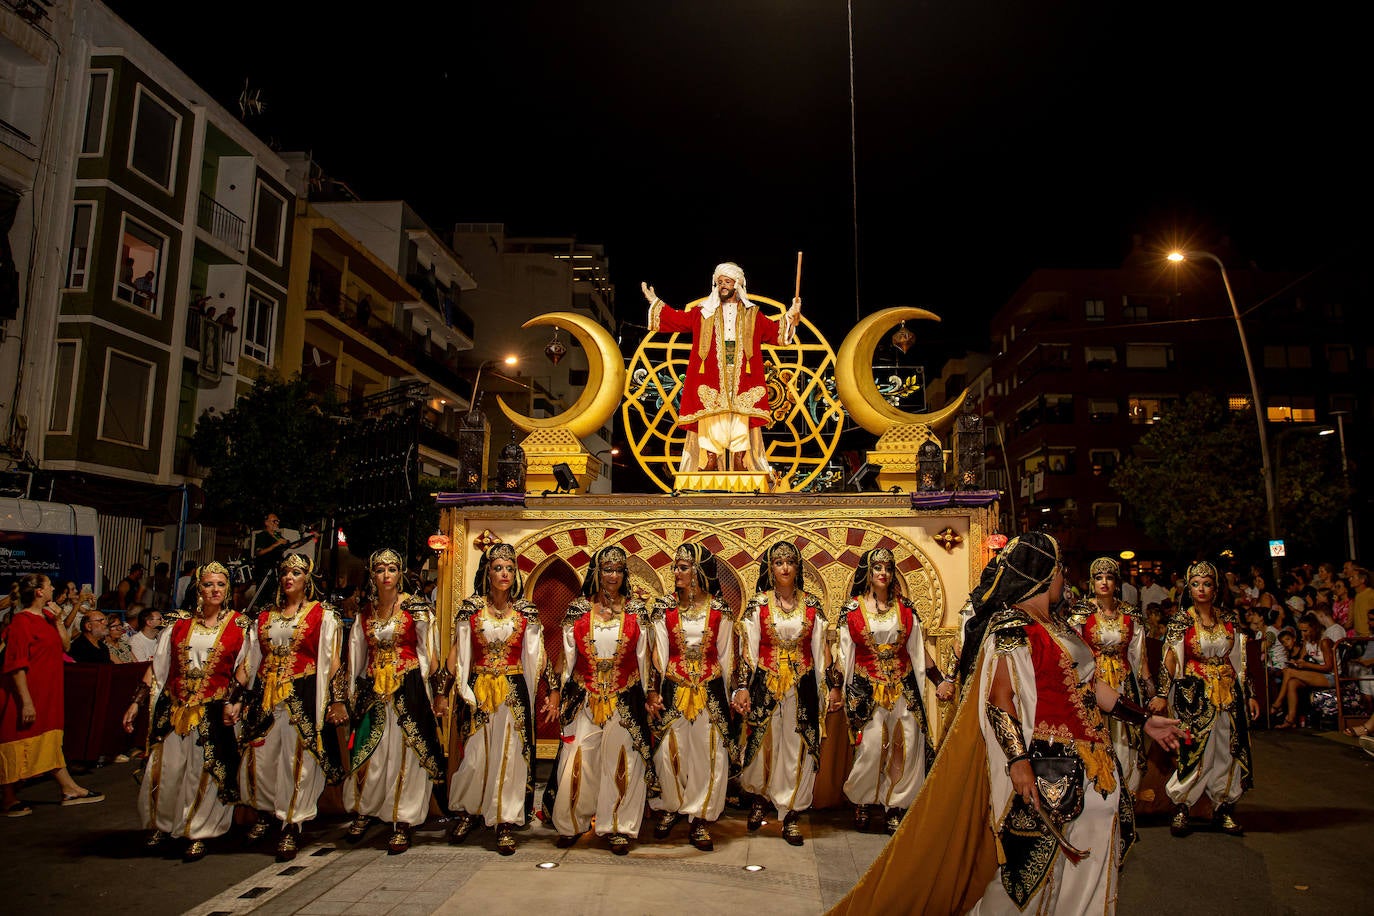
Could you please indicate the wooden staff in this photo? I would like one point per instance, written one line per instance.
(797, 294)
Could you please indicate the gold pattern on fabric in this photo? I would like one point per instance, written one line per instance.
(189, 708)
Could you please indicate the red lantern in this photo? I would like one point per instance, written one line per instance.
(438, 542)
(996, 541)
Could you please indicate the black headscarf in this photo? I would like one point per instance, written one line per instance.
(481, 584)
(1023, 569)
(861, 583)
(783, 547)
(591, 585)
(704, 572)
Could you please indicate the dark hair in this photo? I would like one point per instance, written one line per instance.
(29, 586)
(161, 569)
(137, 567)
(144, 613)
(188, 567)
(1310, 620)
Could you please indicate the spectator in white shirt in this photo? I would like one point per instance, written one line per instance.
(1151, 592)
(143, 642)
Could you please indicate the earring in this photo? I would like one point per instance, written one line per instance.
(200, 604)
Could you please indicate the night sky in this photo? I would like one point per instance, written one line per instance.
(993, 137)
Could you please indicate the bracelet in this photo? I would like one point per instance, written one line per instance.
(1128, 711)
(1017, 759)
(140, 697)
(833, 677)
(1006, 728)
(441, 682)
(338, 687)
(235, 695)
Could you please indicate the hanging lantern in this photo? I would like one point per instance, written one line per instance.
(510, 469)
(438, 542)
(996, 541)
(555, 350)
(902, 338)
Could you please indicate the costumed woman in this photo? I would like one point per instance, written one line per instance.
(1116, 634)
(779, 692)
(604, 765)
(190, 784)
(298, 696)
(31, 698)
(1204, 658)
(694, 636)
(882, 656)
(395, 754)
(497, 659)
(1022, 811)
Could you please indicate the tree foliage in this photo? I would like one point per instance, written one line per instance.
(406, 529)
(1195, 481)
(274, 451)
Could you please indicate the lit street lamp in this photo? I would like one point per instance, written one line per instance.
(1266, 469)
(472, 401)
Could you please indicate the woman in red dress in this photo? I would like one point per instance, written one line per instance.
(31, 700)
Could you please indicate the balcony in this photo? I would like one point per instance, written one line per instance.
(440, 441)
(359, 316)
(222, 223)
(443, 304)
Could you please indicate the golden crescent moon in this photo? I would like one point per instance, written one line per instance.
(605, 378)
(854, 375)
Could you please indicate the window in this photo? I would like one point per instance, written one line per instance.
(139, 277)
(1099, 357)
(1102, 411)
(1294, 356)
(126, 407)
(1149, 356)
(79, 249)
(1292, 409)
(1338, 357)
(1145, 409)
(1103, 460)
(1095, 309)
(1334, 311)
(1061, 461)
(269, 216)
(63, 387)
(97, 104)
(1134, 311)
(1106, 515)
(152, 151)
(1058, 408)
(259, 327)
(1238, 402)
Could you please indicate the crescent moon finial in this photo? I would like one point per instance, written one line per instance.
(854, 375)
(605, 378)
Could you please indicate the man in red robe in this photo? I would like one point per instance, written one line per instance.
(724, 397)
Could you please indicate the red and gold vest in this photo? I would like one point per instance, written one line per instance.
(885, 665)
(192, 688)
(785, 660)
(1113, 664)
(1216, 670)
(387, 664)
(298, 658)
(1065, 712)
(493, 662)
(605, 678)
(691, 669)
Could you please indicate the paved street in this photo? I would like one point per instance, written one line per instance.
(1309, 826)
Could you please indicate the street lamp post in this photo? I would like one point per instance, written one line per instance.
(1266, 469)
(472, 401)
(1345, 474)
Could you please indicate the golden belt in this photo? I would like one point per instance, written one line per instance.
(492, 686)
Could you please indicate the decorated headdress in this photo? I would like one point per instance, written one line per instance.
(211, 568)
(704, 569)
(294, 562)
(785, 550)
(1021, 570)
(481, 582)
(606, 556)
(866, 563)
(1202, 568)
(384, 556)
(1106, 565)
(712, 302)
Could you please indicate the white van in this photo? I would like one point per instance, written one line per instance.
(60, 540)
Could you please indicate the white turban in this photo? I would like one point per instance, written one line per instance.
(734, 272)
